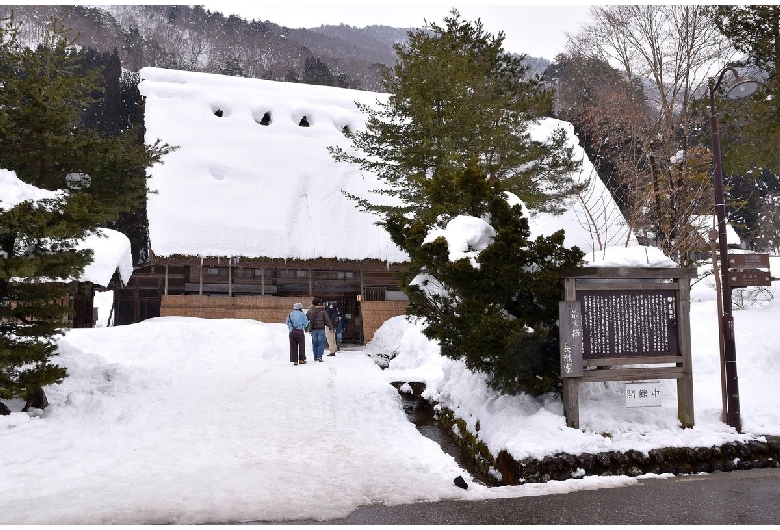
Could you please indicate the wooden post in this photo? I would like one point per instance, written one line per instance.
(571, 401)
(685, 383)
(165, 291)
(571, 385)
(230, 276)
(136, 302)
(200, 278)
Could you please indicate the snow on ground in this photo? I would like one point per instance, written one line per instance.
(182, 420)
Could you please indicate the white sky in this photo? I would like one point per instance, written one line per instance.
(536, 30)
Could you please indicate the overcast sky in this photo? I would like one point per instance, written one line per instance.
(536, 30)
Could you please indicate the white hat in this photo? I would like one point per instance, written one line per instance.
(297, 305)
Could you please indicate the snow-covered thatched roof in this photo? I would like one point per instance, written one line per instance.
(239, 187)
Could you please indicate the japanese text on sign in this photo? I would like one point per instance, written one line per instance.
(643, 394)
(570, 318)
(624, 323)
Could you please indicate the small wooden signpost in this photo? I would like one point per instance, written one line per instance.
(750, 278)
(748, 261)
(626, 324)
(744, 270)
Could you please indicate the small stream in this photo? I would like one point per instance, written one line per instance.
(421, 414)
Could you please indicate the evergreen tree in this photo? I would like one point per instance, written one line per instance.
(291, 76)
(316, 72)
(95, 178)
(451, 140)
(500, 315)
(750, 127)
(233, 67)
(105, 114)
(456, 95)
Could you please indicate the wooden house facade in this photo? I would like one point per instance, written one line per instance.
(367, 291)
(249, 214)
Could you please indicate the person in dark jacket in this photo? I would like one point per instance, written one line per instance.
(319, 321)
(330, 334)
(296, 324)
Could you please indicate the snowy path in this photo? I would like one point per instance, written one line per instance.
(181, 420)
(216, 433)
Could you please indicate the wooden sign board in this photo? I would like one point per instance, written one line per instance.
(750, 278)
(570, 326)
(628, 323)
(748, 261)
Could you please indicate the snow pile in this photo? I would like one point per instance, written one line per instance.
(466, 237)
(111, 248)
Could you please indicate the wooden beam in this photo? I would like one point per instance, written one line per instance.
(629, 273)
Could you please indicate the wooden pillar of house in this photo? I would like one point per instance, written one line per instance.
(262, 282)
(137, 301)
(310, 274)
(200, 278)
(230, 276)
(165, 291)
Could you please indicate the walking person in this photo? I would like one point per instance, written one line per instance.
(296, 324)
(319, 321)
(339, 328)
(330, 333)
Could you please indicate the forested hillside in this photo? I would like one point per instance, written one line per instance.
(196, 39)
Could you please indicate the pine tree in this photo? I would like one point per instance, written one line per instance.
(452, 139)
(456, 95)
(499, 316)
(316, 72)
(751, 126)
(95, 177)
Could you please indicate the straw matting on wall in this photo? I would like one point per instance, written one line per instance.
(377, 313)
(268, 309)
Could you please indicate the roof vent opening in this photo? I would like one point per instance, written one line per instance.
(262, 115)
(220, 109)
(304, 122)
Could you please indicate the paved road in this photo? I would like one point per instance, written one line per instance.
(739, 497)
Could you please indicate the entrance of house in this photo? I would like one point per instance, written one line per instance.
(350, 311)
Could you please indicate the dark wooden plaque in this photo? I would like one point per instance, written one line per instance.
(628, 323)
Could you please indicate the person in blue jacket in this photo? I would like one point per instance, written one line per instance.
(296, 324)
(319, 322)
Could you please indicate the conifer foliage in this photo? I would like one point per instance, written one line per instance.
(93, 178)
(452, 140)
